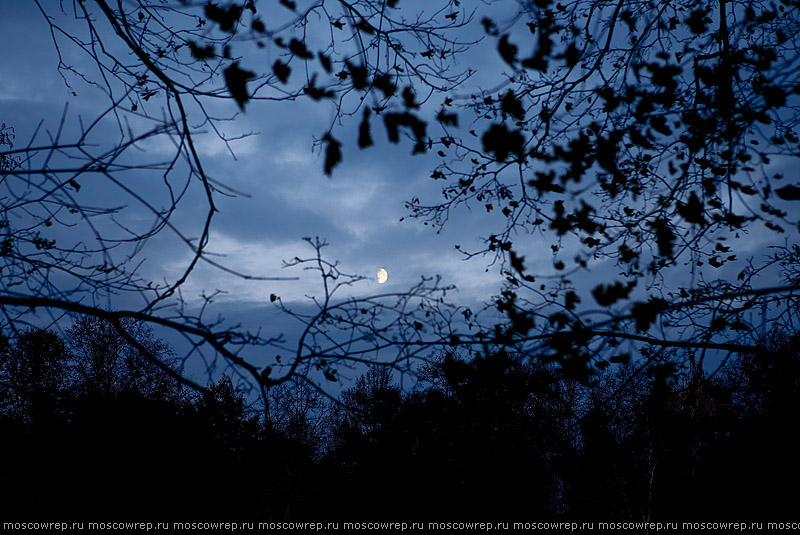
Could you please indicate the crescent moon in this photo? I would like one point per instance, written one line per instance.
(383, 276)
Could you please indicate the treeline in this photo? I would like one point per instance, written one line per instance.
(91, 427)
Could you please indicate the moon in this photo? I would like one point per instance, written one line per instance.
(383, 276)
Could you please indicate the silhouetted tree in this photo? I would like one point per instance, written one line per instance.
(482, 449)
(34, 377)
(640, 141)
(71, 449)
(679, 442)
(106, 364)
(298, 411)
(494, 436)
(224, 408)
(756, 451)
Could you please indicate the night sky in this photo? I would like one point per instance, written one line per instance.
(283, 196)
(283, 193)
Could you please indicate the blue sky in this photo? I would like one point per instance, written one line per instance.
(283, 194)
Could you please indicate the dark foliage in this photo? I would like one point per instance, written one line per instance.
(488, 438)
(115, 453)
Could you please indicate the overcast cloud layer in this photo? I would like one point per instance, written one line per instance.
(288, 197)
(285, 195)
